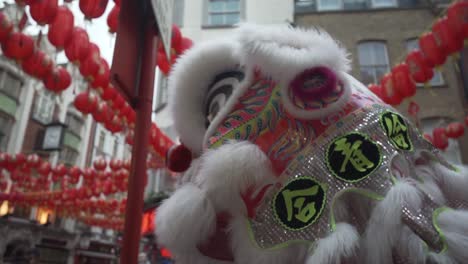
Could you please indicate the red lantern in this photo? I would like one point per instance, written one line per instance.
(60, 170)
(455, 130)
(114, 125)
(33, 160)
(74, 173)
(60, 31)
(457, 14)
(109, 93)
(115, 164)
(89, 174)
(419, 70)
(3, 185)
(44, 11)
(402, 80)
(5, 27)
(113, 19)
(129, 138)
(390, 94)
(90, 66)
(432, 50)
(93, 8)
(446, 36)
(86, 102)
(439, 138)
(18, 46)
(58, 80)
(44, 169)
(118, 102)
(100, 164)
(101, 77)
(39, 65)
(77, 49)
(102, 113)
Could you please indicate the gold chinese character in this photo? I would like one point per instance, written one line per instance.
(295, 199)
(353, 154)
(396, 130)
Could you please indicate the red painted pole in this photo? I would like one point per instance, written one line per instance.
(136, 181)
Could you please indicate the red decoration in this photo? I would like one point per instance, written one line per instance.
(115, 164)
(109, 93)
(61, 29)
(18, 46)
(86, 102)
(446, 36)
(113, 19)
(413, 108)
(78, 47)
(3, 186)
(402, 80)
(185, 44)
(114, 125)
(455, 130)
(129, 138)
(90, 66)
(39, 65)
(33, 160)
(44, 169)
(439, 138)
(101, 77)
(44, 11)
(60, 170)
(376, 89)
(433, 52)
(58, 80)
(89, 174)
(93, 8)
(5, 27)
(457, 15)
(100, 164)
(74, 173)
(178, 158)
(390, 94)
(419, 70)
(102, 113)
(118, 102)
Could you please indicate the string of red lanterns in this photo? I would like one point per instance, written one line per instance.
(448, 35)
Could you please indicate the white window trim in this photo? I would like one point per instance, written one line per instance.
(386, 56)
(376, 5)
(206, 6)
(320, 6)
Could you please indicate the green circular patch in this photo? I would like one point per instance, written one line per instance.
(300, 203)
(396, 130)
(353, 157)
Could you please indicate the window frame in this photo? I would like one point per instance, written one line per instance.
(70, 128)
(373, 5)
(207, 13)
(3, 73)
(320, 6)
(69, 151)
(374, 66)
(40, 99)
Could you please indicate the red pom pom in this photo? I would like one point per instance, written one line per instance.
(178, 158)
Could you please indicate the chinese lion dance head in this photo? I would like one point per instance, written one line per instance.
(297, 162)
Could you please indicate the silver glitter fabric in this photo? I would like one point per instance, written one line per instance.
(269, 232)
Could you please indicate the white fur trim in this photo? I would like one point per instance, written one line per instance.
(184, 220)
(282, 52)
(228, 170)
(245, 251)
(340, 244)
(188, 82)
(454, 225)
(385, 223)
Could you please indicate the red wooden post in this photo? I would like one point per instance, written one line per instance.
(143, 108)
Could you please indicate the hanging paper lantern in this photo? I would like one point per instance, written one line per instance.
(39, 65)
(115, 164)
(439, 138)
(75, 174)
(18, 46)
(33, 160)
(433, 52)
(102, 113)
(93, 8)
(90, 66)
(446, 36)
(118, 102)
(455, 130)
(58, 80)
(109, 94)
(457, 14)
(89, 174)
(60, 170)
(100, 164)
(3, 186)
(77, 49)
(5, 27)
(101, 77)
(60, 30)
(113, 19)
(129, 138)
(402, 80)
(114, 125)
(86, 102)
(44, 11)
(44, 169)
(390, 94)
(420, 72)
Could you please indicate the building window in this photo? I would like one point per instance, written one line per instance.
(178, 13)
(116, 147)
(373, 61)
(74, 123)
(383, 3)
(437, 80)
(11, 85)
(223, 12)
(327, 5)
(6, 125)
(44, 107)
(68, 156)
(452, 153)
